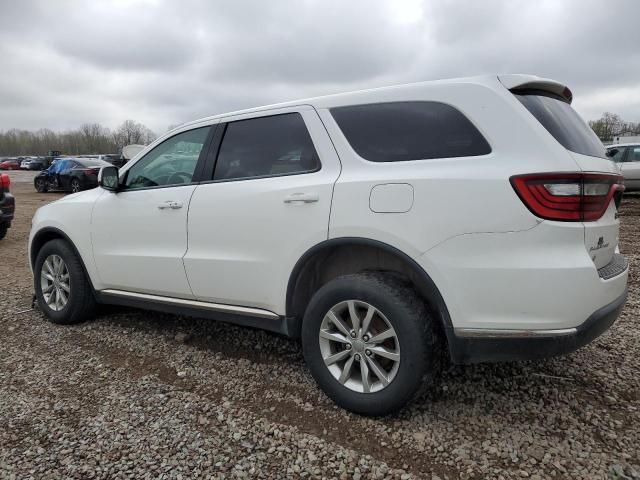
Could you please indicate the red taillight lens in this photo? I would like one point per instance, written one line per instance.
(567, 197)
(5, 182)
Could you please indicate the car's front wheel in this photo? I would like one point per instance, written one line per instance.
(41, 185)
(370, 342)
(62, 289)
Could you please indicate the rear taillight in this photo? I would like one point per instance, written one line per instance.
(5, 182)
(568, 197)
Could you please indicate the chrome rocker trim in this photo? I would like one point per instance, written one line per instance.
(503, 333)
(214, 307)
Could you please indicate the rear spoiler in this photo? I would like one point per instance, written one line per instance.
(516, 82)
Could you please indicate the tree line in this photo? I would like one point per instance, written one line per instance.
(611, 125)
(90, 138)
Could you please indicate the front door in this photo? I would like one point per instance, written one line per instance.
(139, 234)
(267, 203)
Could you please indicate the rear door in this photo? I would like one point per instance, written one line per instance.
(267, 203)
(66, 173)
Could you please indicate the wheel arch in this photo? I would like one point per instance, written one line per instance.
(335, 257)
(47, 234)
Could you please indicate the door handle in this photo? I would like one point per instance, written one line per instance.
(302, 198)
(170, 204)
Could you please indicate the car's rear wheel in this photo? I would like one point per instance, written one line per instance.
(75, 186)
(370, 342)
(41, 185)
(64, 294)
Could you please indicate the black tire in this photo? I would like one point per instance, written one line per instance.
(416, 333)
(3, 231)
(41, 185)
(75, 186)
(81, 302)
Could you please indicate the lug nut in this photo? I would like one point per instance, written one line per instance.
(368, 352)
(365, 338)
(353, 334)
(357, 357)
(348, 346)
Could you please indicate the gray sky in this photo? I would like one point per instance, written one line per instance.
(63, 62)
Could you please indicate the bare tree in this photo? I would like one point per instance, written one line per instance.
(132, 132)
(607, 126)
(94, 137)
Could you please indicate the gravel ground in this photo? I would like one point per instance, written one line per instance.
(144, 395)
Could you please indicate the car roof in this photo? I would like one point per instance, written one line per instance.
(373, 95)
(633, 144)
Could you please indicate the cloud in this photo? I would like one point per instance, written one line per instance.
(166, 62)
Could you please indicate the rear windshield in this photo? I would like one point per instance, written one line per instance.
(403, 131)
(562, 121)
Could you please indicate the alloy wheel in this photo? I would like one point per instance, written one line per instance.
(55, 283)
(359, 346)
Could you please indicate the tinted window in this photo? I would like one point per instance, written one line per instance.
(266, 146)
(633, 155)
(401, 131)
(173, 162)
(562, 121)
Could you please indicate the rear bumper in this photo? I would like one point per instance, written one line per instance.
(475, 346)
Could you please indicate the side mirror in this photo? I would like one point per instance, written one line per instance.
(612, 152)
(108, 178)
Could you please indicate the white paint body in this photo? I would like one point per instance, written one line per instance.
(496, 265)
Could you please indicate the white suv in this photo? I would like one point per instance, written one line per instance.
(473, 218)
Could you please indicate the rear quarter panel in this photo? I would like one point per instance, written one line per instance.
(453, 196)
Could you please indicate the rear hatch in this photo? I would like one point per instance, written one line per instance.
(550, 103)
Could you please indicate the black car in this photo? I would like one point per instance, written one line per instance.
(7, 205)
(38, 164)
(70, 175)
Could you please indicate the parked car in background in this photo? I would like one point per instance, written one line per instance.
(130, 151)
(24, 163)
(69, 175)
(7, 205)
(114, 159)
(384, 228)
(627, 156)
(39, 163)
(9, 164)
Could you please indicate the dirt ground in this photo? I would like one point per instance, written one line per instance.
(137, 394)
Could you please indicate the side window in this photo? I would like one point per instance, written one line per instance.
(402, 131)
(61, 165)
(265, 147)
(619, 155)
(634, 154)
(173, 162)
